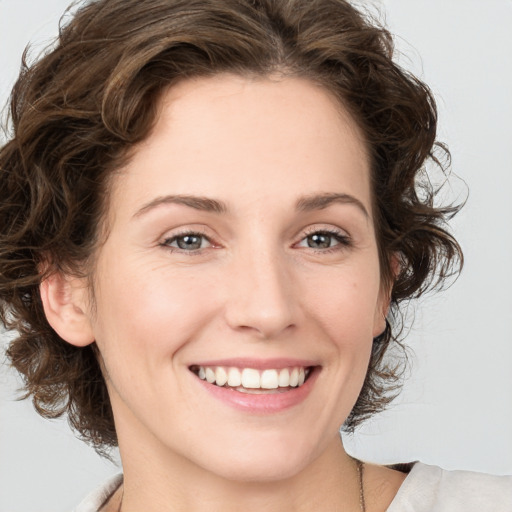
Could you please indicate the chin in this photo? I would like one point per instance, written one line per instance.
(262, 461)
(259, 471)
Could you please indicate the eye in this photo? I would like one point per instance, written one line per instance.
(321, 240)
(188, 242)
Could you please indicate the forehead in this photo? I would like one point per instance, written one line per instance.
(238, 138)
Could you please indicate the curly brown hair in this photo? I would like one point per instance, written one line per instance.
(77, 111)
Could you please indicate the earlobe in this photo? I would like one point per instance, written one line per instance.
(64, 303)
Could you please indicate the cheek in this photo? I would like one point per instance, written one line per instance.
(346, 303)
(152, 314)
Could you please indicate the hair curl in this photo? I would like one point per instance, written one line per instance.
(77, 111)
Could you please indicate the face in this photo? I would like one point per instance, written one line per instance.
(238, 292)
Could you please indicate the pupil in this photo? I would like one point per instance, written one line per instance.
(319, 241)
(189, 242)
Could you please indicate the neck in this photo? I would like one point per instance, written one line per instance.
(168, 483)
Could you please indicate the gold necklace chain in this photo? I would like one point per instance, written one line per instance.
(360, 472)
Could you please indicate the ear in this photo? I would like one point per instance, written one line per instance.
(384, 302)
(64, 301)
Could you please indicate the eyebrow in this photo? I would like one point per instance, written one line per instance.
(321, 201)
(197, 202)
(206, 204)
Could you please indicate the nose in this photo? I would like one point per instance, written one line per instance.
(261, 296)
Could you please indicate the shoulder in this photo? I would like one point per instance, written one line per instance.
(429, 488)
(99, 497)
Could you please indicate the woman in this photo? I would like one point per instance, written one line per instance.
(210, 214)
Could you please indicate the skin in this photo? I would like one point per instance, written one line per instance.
(254, 289)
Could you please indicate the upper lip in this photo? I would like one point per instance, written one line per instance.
(258, 364)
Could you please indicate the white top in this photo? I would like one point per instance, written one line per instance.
(432, 489)
(426, 489)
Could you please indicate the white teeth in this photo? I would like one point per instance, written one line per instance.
(284, 378)
(294, 378)
(251, 378)
(210, 375)
(234, 377)
(221, 376)
(269, 379)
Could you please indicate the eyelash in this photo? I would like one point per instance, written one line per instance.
(166, 243)
(343, 240)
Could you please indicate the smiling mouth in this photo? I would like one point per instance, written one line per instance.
(253, 381)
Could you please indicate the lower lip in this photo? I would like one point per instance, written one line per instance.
(262, 403)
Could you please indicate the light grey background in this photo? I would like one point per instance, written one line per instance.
(456, 407)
